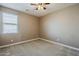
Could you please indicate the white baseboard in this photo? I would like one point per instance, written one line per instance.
(41, 39)
(74, 48)
(19, 43)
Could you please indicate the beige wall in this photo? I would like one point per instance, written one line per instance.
(62, 26)
(28, 28)
(0, 21)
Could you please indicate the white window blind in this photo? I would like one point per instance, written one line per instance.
(10, 24)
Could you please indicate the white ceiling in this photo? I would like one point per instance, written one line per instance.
(27, 8)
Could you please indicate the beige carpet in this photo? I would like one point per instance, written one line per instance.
(37, 48)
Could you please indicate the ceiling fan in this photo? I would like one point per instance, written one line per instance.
(40, 6)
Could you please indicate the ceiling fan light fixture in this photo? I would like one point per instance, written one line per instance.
(40, 6)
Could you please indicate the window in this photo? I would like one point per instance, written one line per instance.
(10, 24)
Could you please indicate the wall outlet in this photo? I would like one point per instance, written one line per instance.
(11, 40)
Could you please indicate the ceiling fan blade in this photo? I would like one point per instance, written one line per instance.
(33, 4)
(36, 9)
(46, 3)
(44, 8)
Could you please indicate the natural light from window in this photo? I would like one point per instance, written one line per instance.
(10, 23)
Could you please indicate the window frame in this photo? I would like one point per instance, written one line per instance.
(17, 25)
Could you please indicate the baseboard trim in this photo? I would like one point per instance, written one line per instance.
(19, 43)
(74, 48)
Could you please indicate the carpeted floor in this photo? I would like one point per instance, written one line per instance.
(37, 48)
